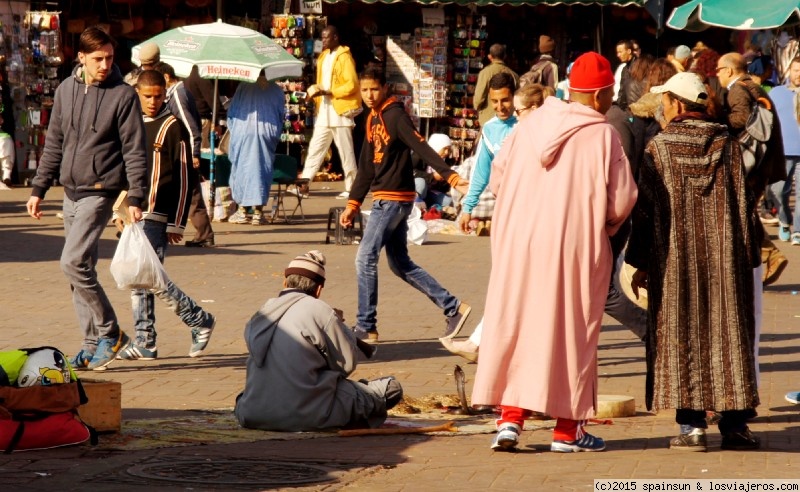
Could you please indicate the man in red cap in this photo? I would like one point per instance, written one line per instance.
(563, 186)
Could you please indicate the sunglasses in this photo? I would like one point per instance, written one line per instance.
(522, 110)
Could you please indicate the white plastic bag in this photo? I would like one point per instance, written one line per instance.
(417, 228)
(135, 264)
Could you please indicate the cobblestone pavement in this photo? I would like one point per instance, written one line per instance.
(235, 278)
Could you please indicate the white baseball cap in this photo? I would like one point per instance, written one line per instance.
(685, 85)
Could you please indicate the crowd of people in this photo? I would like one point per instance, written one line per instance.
(642, 165)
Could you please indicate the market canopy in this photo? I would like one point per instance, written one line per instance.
(698, 15)
(481, 3)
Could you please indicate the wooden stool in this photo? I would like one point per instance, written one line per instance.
(339, 235)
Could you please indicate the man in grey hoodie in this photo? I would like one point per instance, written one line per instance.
(301, 353)
(95, 147)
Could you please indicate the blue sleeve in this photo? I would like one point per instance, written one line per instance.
(480, 176)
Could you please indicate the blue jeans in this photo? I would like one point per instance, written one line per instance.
(783, 189)
(431, 197)
(387, 227)
(142, 300)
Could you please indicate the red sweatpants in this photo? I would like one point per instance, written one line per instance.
(566, 429)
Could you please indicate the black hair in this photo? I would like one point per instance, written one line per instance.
(498, 51)
(627, 43)
(150, 78)
(502, 80)
(165, 69)
(373, 73)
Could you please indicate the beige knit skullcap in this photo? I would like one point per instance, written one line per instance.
(310, 265)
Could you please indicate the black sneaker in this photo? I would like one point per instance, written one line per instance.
(692, 441)
(205, 243)
(740, 441)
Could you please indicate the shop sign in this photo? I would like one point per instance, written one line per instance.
(310, 6)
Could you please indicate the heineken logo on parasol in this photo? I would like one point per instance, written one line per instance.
(265, 49)
(181, 45)
(226, 71)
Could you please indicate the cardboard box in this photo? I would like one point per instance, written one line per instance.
(104, 409)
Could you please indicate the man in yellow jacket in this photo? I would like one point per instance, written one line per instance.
(338, 101)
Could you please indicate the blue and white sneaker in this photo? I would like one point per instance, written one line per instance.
(138, 352)
(507, 438)
(793, 397)
(586, 443)
(784, 233)
(81, 360)
(200, 338)
(107, 350)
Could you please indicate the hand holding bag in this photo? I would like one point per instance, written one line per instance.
(135, 264)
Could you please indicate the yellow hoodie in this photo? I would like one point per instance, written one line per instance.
(344, 83)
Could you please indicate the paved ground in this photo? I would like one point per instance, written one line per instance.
(235, 278)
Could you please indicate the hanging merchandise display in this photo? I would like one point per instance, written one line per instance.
(430, 54)
(298, 35)
(33, 75)
(469, 41)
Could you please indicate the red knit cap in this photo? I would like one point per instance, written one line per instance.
(590, 72)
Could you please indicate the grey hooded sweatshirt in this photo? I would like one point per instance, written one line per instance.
(300, 357)
(95, 142)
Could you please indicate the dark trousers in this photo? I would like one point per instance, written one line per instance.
(198, 215)
(731, 421)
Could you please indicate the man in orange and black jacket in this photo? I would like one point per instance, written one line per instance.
(385, 168)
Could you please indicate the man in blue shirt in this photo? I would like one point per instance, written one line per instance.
(494, 133)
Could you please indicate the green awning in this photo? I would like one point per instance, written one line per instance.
(733, 14)
(482, 3)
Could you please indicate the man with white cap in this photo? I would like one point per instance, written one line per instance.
(563, 186)
(681, 58)
(431, 188)
(149, 56)
(693, 244)
(300, 354)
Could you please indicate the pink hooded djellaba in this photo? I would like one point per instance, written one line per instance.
(563, 186)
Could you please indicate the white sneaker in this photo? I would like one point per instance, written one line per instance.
(343, 195)
(463, 348)
(4, 187)
(507, 438)
(296, 192)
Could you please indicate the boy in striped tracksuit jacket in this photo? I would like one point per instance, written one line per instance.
(164, 211)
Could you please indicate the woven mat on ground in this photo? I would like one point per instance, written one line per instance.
(222, 428)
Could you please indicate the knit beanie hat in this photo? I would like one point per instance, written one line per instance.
(149, 54)
(438, 141)
(546, 44)
(590, 72)
(310, 265)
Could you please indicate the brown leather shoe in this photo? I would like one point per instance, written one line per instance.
(774, 266)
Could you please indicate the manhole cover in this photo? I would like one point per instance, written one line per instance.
(234, 472)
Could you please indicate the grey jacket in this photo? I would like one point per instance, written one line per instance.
(300, 357)
(95, 142)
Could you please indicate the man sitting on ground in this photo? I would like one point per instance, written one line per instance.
(301, 353)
